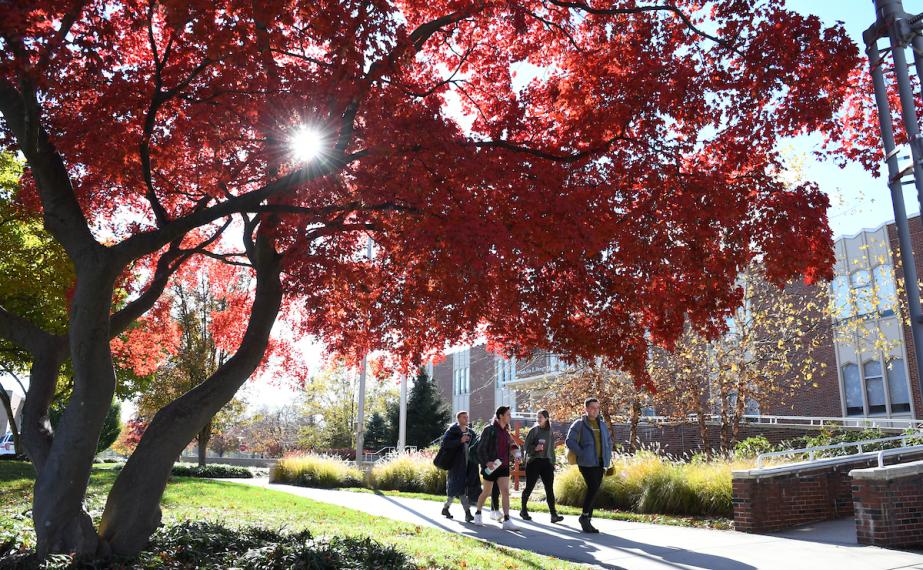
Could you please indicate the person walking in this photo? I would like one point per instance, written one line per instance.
(494, 450)
(458, 479)
(540, 463)
(588, 438)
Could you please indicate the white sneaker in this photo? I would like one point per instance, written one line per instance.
(508, 525)
(477, 519)
(496, 516)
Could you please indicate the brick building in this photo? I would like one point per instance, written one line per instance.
(868, 351)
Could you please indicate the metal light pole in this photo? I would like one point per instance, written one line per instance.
(902, 30)
(360, 419)
(402, 422)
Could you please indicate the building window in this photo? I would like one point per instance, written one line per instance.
(887, 294)
(897, 385)
(841, 298)
(875, 387)
(853, 389)
(863, 291)
(461, 379)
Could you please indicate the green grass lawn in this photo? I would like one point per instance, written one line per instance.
(537, 505)
(238, 505)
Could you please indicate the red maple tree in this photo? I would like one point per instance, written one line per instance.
(579, 176)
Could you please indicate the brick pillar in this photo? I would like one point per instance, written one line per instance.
(888, 502)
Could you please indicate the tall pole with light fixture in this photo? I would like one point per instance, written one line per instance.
(360, 415)
(902, 30)
(402, 416)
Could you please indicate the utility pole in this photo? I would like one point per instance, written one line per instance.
(903, 31)
(360, 420)
(402, 422)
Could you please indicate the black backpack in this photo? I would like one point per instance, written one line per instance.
(444, 457)
(476, 443)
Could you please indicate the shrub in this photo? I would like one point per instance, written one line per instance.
(411, 472)
(211, 471)
(752, 446)
(316, 471)
(213, 546)
(832, 436)
(649, 483)
(569, 488)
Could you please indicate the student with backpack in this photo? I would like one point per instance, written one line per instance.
(462, 473)
(539, 446)
(590, 448)
(494, 448)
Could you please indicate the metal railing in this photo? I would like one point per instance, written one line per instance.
(530, 416)
(811, 452)
(833, 461)
(805, 421)
(386, 453)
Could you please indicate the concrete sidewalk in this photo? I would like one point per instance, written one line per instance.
(637, 545)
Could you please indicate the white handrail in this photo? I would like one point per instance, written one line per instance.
(811, 421)
(811, 451)
(828, 461)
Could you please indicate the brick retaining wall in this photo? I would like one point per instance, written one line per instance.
(888, 504)
(767, 500)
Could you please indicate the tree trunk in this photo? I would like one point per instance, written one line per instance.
(14, 429)
(725, 419)
(635, 418)
(61, 523)
(43, 376)
(203, 437)
(132, 511)
(703, 432)
(739, 411)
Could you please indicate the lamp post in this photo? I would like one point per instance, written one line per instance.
(402, 421)
(360, 415)
(903, 31)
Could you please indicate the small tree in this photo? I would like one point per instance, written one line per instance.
(617, 392)
(766, 356)
(376, 432)
(427, 414)
(274, 432)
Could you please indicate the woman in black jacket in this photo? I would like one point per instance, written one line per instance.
(494, 449)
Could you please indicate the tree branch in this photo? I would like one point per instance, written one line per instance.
(62, 213)
(584, 7)
(547, 155)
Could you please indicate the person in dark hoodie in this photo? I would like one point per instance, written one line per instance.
(588, 438)
(494, 449)
(463, 475)
(540, 463)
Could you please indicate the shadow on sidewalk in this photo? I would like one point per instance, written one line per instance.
(565, 542)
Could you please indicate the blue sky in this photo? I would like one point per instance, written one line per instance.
(857, 199)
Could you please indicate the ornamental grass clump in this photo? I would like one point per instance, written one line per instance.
(321, 471)
(653, 484)
(409, 472)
